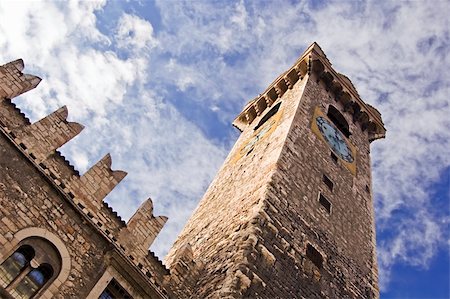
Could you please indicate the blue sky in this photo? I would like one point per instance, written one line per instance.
(157, 84)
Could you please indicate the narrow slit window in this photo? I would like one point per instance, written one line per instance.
(334, 157)
(314, 256)
(325, 203)
(326, 180)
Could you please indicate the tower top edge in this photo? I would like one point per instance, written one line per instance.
(312, 61)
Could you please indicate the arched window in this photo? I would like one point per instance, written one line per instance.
(34, 281)
(339, 120)
(15, 264)
(30, 268)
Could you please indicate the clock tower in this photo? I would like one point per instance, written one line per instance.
(290, 213)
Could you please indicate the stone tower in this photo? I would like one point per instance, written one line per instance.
(290, 213)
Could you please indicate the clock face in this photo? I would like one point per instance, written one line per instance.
(335, 139)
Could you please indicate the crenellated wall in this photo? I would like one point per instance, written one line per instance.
(142, 226)
(76, 203)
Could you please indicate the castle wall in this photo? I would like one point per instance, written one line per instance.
(45, 202)
(27, 200)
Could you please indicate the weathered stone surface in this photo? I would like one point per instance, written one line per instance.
(43, 137)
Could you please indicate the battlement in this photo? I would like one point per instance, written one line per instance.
(39, 142)
(14, 82)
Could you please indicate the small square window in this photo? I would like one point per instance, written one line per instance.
(326, 180)
(325, 203)
(334, 157)
(314, 255)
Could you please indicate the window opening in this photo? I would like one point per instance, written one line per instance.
(334, 157)
(325, 203)
(268, 115)
(314, 256)
(369, 293)
(115, 291)
(15, 264)
(327, 182)
(34, 281)
(19, 278)
(339, 120)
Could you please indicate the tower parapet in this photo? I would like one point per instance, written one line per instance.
(315, 61)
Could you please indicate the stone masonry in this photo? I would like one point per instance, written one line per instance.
(287, 216)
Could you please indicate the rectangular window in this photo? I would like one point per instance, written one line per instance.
(334, 157)
(326, 180)
(314, 256)
(325, 203)
(114, 291)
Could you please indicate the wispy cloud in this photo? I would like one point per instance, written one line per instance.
(134, 34)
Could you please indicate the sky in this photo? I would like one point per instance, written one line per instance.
(157, 84)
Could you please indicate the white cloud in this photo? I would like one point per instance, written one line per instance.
(73, 74)
(134, 33)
